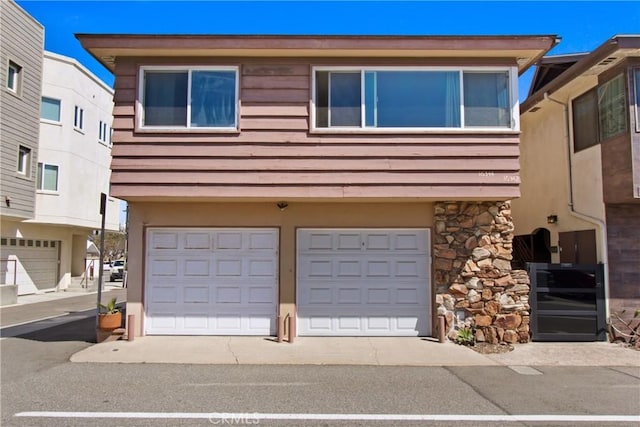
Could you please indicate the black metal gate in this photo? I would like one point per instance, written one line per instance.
(567, 302)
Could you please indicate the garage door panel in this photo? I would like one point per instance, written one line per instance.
(164, 294)
(261, 295)
(211, 281)
(197, 241)
(261, 268)
(163, 267)
(363, 282)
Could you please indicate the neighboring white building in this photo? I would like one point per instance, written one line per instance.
(72, 171)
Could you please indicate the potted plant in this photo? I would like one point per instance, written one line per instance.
(111, 317)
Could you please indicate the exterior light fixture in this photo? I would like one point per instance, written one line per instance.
(552, 219)
(282, 205)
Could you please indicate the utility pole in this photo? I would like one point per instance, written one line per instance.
(103, 212)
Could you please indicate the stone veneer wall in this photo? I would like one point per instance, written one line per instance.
(475, 286)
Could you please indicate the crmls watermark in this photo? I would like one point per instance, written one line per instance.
(233, 419)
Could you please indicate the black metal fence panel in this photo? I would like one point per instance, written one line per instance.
(567, 302)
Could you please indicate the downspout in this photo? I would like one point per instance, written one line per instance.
(602, 226)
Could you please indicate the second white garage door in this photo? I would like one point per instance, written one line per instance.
(211, 281)
(363, 282)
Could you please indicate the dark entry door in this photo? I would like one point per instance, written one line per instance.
(578, 247)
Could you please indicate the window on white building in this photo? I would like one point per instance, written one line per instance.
(103, 132)
(47, 177)
(50, 109)
(78, 118)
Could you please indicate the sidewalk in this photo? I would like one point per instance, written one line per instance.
(349, 351)
(34, 312)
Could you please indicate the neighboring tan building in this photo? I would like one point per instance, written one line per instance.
(69, 174)
(21, 78)
(580, 166)
(319, 185)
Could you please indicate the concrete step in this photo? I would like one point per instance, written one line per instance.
(78, 284)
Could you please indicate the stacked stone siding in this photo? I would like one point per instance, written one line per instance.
(475, 286)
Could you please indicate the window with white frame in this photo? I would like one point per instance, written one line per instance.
(189, 98)
(47, 177)
(24, 161)
(14, 77)
(415, 98)
(50, 109)
(78, 118)
(103, 132)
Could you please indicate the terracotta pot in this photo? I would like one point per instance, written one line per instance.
(109, 322)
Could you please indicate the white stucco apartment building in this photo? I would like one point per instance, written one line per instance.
(73, 161)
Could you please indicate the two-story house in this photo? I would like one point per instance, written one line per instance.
(581, 168)
(319, 185)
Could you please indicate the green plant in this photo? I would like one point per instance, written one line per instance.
(110, 307)
(465, 336)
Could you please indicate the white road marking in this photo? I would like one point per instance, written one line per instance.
(334, 417)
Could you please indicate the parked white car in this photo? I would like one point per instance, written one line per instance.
(117, 270)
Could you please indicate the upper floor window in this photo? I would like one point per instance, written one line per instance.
(24, 161)
(103, 132)
(47, 177)
(197, 97)
(612, 107)
(14, 77)
(585, 120)
(599, 114)
(78, 118)
(50, 109)
(413, 98)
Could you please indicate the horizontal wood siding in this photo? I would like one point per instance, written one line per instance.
(274, 155)
(21, 42)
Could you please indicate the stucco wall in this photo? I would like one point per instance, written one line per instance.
(83, 162)
(337, 215)
(544, 171)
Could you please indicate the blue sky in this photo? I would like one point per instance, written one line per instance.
(582, 25)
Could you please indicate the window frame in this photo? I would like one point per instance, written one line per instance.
(16, 88)
(592, 93)
(103, 132)
(601, 88)
(140, 126)
(40, 178)
(45, 120)
(596, 89)
(78, 118)
(636, 94)
(25, 172)
(513, 102)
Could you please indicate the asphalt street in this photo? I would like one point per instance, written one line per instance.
(37, 377)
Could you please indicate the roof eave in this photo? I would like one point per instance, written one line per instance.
(106, 47)
(598, 55)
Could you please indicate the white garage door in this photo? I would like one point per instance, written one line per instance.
(211, 281)
(363, 282)
(30, 263)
